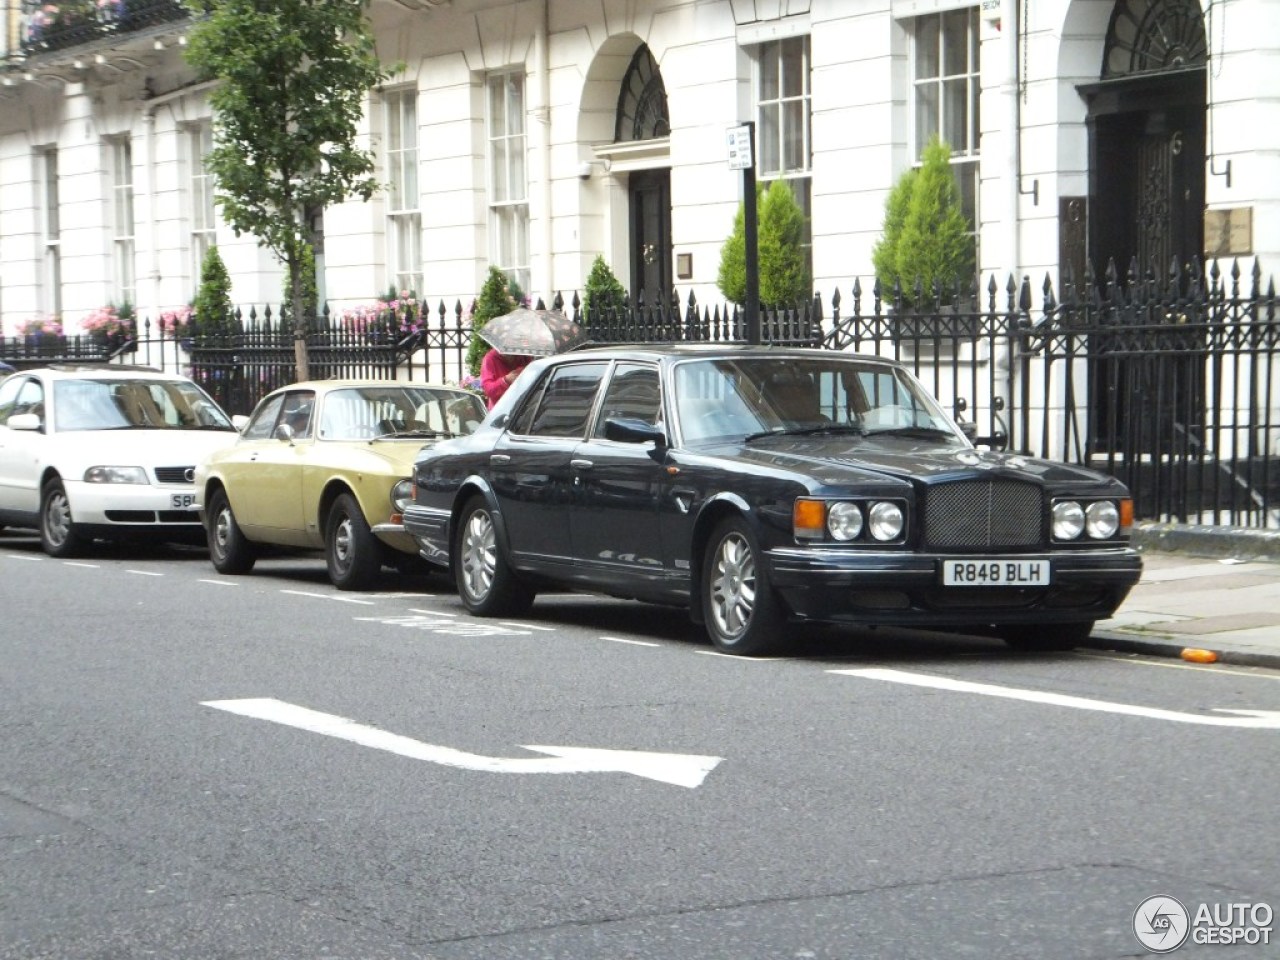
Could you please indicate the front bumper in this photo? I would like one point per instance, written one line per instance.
(906, 589)
(430, 531)
(117, 507)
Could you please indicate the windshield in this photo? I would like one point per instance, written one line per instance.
(134, 403)
(398, 410)
(736, 398)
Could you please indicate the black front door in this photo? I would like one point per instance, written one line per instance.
(650, 192)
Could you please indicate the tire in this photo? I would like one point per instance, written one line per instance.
(742, 613)
(353, 553)
(229, 549)
(58, 534)
(486, 583)
(1046, 637)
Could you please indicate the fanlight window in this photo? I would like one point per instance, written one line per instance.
(642, 101)
(1153, 36)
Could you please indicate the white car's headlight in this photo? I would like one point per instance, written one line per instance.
(115, 475)
(1068, 520)
(1102, 520)
(886, 521)
(401, 495)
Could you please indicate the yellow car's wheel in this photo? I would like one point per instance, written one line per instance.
(229, 549)
(353, 553)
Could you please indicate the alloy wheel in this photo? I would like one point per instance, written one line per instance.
(478, 555)
(733, 585)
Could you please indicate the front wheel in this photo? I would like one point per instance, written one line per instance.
(742, 613)
(353, 553)
(1046, 637)
(487, 584)
(229, 549)
(58, 534)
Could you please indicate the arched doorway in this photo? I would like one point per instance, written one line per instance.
(642, 117)
(1147, 122)
(1147, 136)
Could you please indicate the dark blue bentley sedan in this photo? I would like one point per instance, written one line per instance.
(756, 486)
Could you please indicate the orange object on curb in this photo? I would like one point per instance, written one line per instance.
(1196, 655)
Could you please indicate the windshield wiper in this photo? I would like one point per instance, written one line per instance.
(919, 431)
(854, 428)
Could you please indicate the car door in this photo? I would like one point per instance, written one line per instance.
(21, 451)
(618, 485)
(263, 473)
(529, 468)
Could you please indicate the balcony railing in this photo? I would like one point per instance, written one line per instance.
(69, 23)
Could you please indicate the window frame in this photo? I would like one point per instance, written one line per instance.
(507, 175)
(123, 220)
(778, 53)
(404, 195)
(50, 233)
(200, 187)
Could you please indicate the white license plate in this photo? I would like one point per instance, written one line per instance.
(182, 501)
(995, 573)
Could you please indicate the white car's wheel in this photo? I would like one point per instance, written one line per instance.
(58, 534)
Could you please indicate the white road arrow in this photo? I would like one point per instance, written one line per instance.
(683, 770)
(1247, 719)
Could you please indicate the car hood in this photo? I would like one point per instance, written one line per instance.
(836, 461)
(142, 448)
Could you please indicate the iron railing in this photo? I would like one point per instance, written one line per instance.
(1170, 382)
(50, 25)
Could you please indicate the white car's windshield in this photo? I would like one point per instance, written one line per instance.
(760, 397)
(132, 403)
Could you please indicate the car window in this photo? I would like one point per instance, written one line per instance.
(264, 418)
(298, 405)
(18, 395)
(124, 403)
(564, 405)
(632, 394)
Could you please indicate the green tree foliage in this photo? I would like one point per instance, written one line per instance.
(310, 291)
(926, 235)
(784, 269)
(604, 292)
(292, 76)
(495, 299)
(211, 310)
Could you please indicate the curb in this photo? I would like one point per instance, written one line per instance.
(1237, 543)
(1161, 647)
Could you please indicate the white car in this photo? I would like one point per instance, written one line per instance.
(104, 452)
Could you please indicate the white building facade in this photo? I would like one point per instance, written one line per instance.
(535, 135)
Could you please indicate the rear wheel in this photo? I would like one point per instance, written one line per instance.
(353, 553)
(1046, 637)
(58, 534)
(229, 549)
(487, 584)
(743, 615)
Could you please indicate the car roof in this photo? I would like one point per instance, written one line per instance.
(103, 371)
(321, 386)
(703, 351)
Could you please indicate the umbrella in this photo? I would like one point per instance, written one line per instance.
(532, 333)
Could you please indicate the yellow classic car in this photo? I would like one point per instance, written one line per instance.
(326, 465)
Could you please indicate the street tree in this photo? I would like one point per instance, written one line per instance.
(291, 80)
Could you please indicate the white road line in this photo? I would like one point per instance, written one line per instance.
(220, 583)
(1248, 719)
(330, 596)
(431, 613)
(23, 556)
(635, 643)
(738, 656)
(526, 626)
(145, 573)
(87, 566)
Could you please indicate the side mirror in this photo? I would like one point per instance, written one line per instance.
(627, 430)
(970, 430)
(25, 421)
(284, 432)
(240, 421)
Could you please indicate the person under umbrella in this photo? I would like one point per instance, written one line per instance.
(516, 338)
(498, 372)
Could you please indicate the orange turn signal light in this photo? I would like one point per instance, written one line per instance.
(1126, 514)
(809, 518)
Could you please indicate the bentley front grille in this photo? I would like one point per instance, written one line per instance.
(983, 515)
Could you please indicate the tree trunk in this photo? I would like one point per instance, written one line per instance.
(301, 358)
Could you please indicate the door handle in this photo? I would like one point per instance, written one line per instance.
(499, 458)
(581, 464)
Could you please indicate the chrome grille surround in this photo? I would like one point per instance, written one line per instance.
(983, 515)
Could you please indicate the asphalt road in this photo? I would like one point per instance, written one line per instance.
(161, 794)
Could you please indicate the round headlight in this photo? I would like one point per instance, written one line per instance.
(1102, 520)
(844, 521)
(1068, 520)
(886, 521)
(401, 495)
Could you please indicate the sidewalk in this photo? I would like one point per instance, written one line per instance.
(1205, 588)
